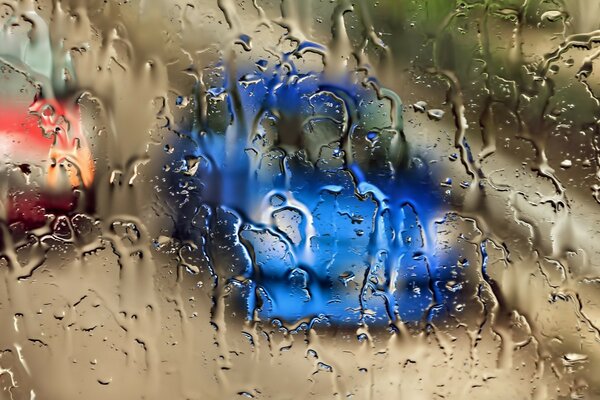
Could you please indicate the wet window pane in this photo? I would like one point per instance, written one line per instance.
(224, 199)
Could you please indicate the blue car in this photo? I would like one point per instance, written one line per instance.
(302, 193)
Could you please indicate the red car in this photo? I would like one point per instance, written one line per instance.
(46, 157)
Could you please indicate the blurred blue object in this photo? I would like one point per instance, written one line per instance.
(309, 200)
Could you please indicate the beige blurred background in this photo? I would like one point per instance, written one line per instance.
(99, 305)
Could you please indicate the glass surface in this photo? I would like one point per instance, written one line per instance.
(309, 199)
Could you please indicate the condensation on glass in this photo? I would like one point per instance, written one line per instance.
(223, 199)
